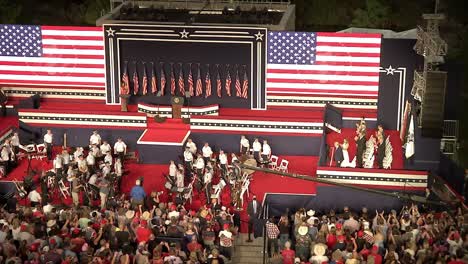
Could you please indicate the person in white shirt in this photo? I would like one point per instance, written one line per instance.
(108, 158)
(15, 142)
(188, 159)
(105, 147)
(48, 141)
(78, 152)
(223, 162)
(118, 168)
(257, 148)
(192, 146)
(207, 178)
(93, 179)
(95, 151)
(266, 152)
(58, 166)
(233, 158)
(199, 165)
(244, 145)
(91, 162)
(180, 178)
(95, 139)
(66, 159)
(207, 152)
(106, 170)
(35, 198)
(172, 170)
(120, 149)
(82, 166)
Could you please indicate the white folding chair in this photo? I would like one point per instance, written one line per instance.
(218, 188)
(283, 167)
(63, 189)
(273, 162)
(245, 188)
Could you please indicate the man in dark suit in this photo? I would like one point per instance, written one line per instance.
(338, 156)
(380, 152)
(254, 210)
(361, 148)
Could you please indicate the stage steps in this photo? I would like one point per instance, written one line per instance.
(247, 252)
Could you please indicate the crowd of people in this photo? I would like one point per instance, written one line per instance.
(408, 237)
(376, 149)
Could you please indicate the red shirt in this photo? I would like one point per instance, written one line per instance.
(288, 256)
(331, 241)
(143, 234)
(457, 262)
(377, 258)
(193, 246)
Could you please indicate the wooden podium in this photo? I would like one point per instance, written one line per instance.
(177, 103)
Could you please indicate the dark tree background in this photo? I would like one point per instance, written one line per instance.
(312, 15)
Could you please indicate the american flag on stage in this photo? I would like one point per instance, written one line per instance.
(238, 85)
(145, 81)
(163, 80)
(172, 81)
(199, 88)
(219, 87)
(136, 86)
(228, 82)
(125, 87)
(190, 81)
(208, 83)
(52, 56)
(330, 66)
(181, 81)
(245, 85)
(154, 87)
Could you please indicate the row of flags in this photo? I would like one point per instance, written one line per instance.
(195, 82)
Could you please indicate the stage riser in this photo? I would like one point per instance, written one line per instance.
(80, 136)
(352, 123)
(281, 145)
(159, 154)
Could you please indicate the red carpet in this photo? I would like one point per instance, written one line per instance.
(349, 134)
(170, 132)
(284, 114)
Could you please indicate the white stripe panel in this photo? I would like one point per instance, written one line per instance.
(80, 33)
(73, 51)
(301, 131)
(52, 61)
(87, 123)
(371, 174)
(109, 116)
(98, 80)
(87, 97)
(322, 86)
(359, 118)
(347, 58)
(327, 98)
(194, 110)
(324, 77)
(255, 122)
(312, 92)
(72, 42)
(54, 90)
(322, 48)
(381, 183)
(51, 69)
(347, 40)
(322, 105)
(333, 68)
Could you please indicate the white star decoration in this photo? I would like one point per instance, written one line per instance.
(390, 70)
(258, 36)
(184, 34)
(110, 32)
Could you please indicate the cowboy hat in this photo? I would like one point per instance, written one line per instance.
(310, 212)
(303, 230)
(145, 216)
(320, 249)
(130, 214)
(51, 223)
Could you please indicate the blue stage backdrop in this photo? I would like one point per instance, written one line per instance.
(239, 50)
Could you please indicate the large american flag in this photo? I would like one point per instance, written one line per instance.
(327, 67)
(52, 56)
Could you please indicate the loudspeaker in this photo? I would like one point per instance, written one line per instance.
(432, 106)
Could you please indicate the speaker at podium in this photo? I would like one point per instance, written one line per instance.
(177, 103)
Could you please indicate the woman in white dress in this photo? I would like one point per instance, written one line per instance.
(346, 162)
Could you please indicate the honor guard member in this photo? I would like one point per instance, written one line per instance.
(95, 139)
(180, 177)
(105, 147)
(244, 145)
(223, 162)
(108, 158)
(106, 170)
(207, 178)
(48, 141)
(58, 166)
(120, 149)
(172, 171)
(207, 152)
(257, 148)
(199, 165)
(15, 142)
(91, 161)
(266, 151)
(233, 158)
(192, 146)
(82, 166)
(96, 151)
(188, 159)
(66, 159)
(78, 152)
